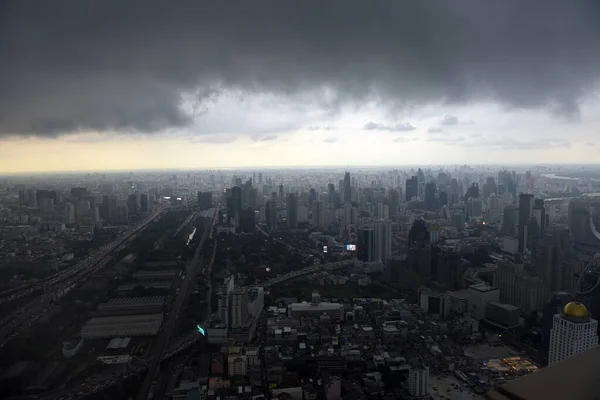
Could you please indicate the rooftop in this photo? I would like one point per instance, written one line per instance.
(574, 378)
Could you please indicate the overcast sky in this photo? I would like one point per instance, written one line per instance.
(153, 84)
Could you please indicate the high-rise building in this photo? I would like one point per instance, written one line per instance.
(239, 307)
(366, 244)
(430, 198)
(347, 188)
(319, 214)
(69, 213)
(554, 306)
(382, 230)
(588, 287)
(394, 196)
(245, 221)
(204, 200)
(132, 204)
(525, 208)
(510, 220)
(291, 210)
(418, 381)
(412, 188)
(144, 208)
(573, 332)
(479, 296)
(271, 215)
(236, 198)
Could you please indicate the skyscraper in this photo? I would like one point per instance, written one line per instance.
(525, 208)
(347, 188)
(383, 239)
(412, 188)
(366, 245)
(573, 332)
(394, 201)
(292, 211)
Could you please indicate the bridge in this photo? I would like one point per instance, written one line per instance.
(309, 270)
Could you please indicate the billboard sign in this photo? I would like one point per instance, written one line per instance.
(350, 247)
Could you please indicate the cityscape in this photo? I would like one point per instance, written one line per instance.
(284, 199)
(434, 282)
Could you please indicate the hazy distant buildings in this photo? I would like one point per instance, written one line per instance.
(292, 211)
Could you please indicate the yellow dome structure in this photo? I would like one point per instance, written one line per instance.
(576, 310)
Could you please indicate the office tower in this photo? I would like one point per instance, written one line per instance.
(31, 197)
(489, 187)
(246, 221)
(430, 199)
(260, 178)
(366, 244)
(78, 193)
(473, 191)
(319, 214)
(46, 204)
(510, 220)
(292, 211)
(418, 236)
(132, 204)
(584, 217)
(22, 195)
(236, 198)
(573, 332)
(312, 196)
(480, 295)
(382, 230)
(204, 200)
(553, 306)
(517, 287)
(302, 213)
(539, 212)
(347, 188)
(394, 196)
(383, 211)
(443, 200)
(144, 208)
(69, 213)
(271, 215)
(105, 208)
(253, 201)
(330, 192)
(588, 287)
(412, 188)
(239, 307)
(474, 208)
(246, 191)
(418, 381)
(525, 207)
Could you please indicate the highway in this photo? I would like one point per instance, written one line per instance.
(16, 322)
(161, 344)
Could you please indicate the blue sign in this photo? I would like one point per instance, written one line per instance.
(201, 330)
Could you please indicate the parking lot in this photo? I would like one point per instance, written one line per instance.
(449, 388)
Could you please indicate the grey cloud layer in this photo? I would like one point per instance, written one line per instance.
(69, 65)
(374, 126)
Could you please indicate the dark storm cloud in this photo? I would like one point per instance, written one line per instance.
(374, 126)
(69, 65)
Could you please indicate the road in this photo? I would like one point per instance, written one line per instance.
(92, 259)
(161, 385)
(21, 319)
(165, 334)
